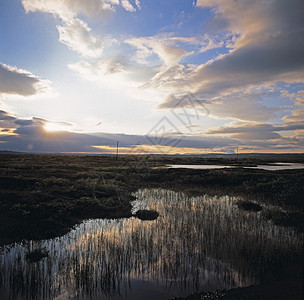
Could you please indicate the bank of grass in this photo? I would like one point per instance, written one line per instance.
(43, 196)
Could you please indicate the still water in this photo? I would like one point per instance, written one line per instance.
(196, 244)
(270, 167)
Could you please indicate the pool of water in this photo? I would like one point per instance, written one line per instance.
(279, 166)
(271, 167)
(199, 167)
(196, 244)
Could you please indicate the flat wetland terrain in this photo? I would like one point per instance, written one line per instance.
(44, 196)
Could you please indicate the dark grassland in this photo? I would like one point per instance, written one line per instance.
(44, 196)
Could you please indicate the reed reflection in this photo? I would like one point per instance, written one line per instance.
(196, 243)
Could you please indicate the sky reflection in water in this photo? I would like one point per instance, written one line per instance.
(201, 243)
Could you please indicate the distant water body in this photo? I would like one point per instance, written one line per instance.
(271, 167)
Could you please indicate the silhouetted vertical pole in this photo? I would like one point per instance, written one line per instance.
(237, 153)
(117, 150)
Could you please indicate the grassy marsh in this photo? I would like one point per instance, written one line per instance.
(44, 196)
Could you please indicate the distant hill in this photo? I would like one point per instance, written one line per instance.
(10, 152)
(267, 156)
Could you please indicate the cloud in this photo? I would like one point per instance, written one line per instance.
(7, 123)
(268, 48)
(251, 66)
(30, 135)
(127, 5)
(209, 43)
(20, 82)
(5, 116)
(171, 49)
(240, 106)
(137, 3)
(69, 9)
(76, 34)
(260, 44)
(256, 131)
(174, 79)
(114, 71)
(120, 74)
(297, 115)
(158, 150)
(164, 46)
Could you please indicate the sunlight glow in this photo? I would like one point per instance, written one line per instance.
(4, 131)
(55, 127)
(156, 149)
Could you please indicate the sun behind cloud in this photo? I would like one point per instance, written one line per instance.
(50, 126)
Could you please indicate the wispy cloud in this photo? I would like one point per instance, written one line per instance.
(164, 46)
(76, 33)
(67, 10)
(127, 5)
(114, 71)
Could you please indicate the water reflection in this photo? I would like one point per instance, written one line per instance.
(200, 167)
(279, 166)
(201, 243)
(270, 167)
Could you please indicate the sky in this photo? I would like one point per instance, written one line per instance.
(161, 76)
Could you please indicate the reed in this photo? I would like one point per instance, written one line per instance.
(196, 243)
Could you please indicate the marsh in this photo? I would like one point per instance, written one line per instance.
(69, 228)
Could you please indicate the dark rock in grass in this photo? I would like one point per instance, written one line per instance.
(146, 214)
(36, 255)
(249, 206)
